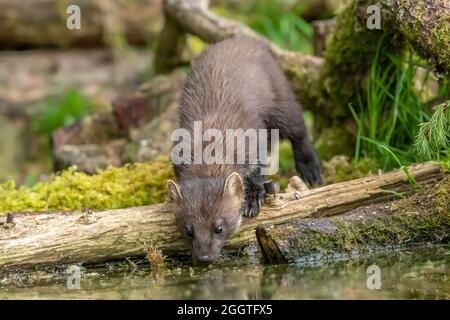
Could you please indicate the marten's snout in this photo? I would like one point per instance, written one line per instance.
(204, 259)
(205, 253)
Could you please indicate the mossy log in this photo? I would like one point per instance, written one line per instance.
(421, 218)
(426, 25)
(31, 24)
(57, 238)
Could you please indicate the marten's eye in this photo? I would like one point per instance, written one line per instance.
(218, 229)
(190, 232)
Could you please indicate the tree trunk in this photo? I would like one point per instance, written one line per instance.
(55, 238)
(31, 23)
(421, 218)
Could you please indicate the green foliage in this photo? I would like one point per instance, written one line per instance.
(61, 111)
(434, 135)
(389, 113)
(278, 20)
(128, 186)
(348, 55)
(445, 161)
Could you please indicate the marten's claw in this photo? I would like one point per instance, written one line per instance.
(310, 173)
(253, 205)
(251, 208)
(251, 212)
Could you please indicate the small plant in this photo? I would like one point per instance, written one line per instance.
(434, 135)
(403, 167)
(390, 112)
(61, 111)
(155, 257)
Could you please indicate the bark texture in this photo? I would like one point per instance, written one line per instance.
(55, 238)
(421, 218)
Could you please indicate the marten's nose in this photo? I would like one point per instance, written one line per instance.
(205, 258)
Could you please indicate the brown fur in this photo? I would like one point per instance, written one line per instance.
(235, 84)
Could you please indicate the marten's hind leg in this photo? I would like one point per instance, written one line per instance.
(307, 162)
(254, 193)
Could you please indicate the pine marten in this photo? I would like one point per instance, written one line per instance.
(236, 83)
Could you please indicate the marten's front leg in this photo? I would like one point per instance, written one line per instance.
(254, 194)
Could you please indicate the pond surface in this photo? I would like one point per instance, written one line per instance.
(417, 273)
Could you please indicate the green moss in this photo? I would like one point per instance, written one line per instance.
(417, 219)
(445, 162)
(437, 42)
(128, 186)
(442, 197)
(333, 141)
(440, 41)
(340, 169)
(350, 50)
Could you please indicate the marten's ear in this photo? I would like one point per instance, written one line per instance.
(234, 185)
(173, 191)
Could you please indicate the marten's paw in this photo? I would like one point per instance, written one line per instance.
(254, 199)
(310, 172)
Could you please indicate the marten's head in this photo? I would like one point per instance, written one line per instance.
(208, 212)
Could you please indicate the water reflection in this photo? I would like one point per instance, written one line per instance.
(420, 273)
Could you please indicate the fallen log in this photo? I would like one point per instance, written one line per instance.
(421, 218)
(57, 238)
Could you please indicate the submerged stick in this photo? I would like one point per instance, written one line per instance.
(56, 238)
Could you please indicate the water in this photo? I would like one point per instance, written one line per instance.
(418, 273)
